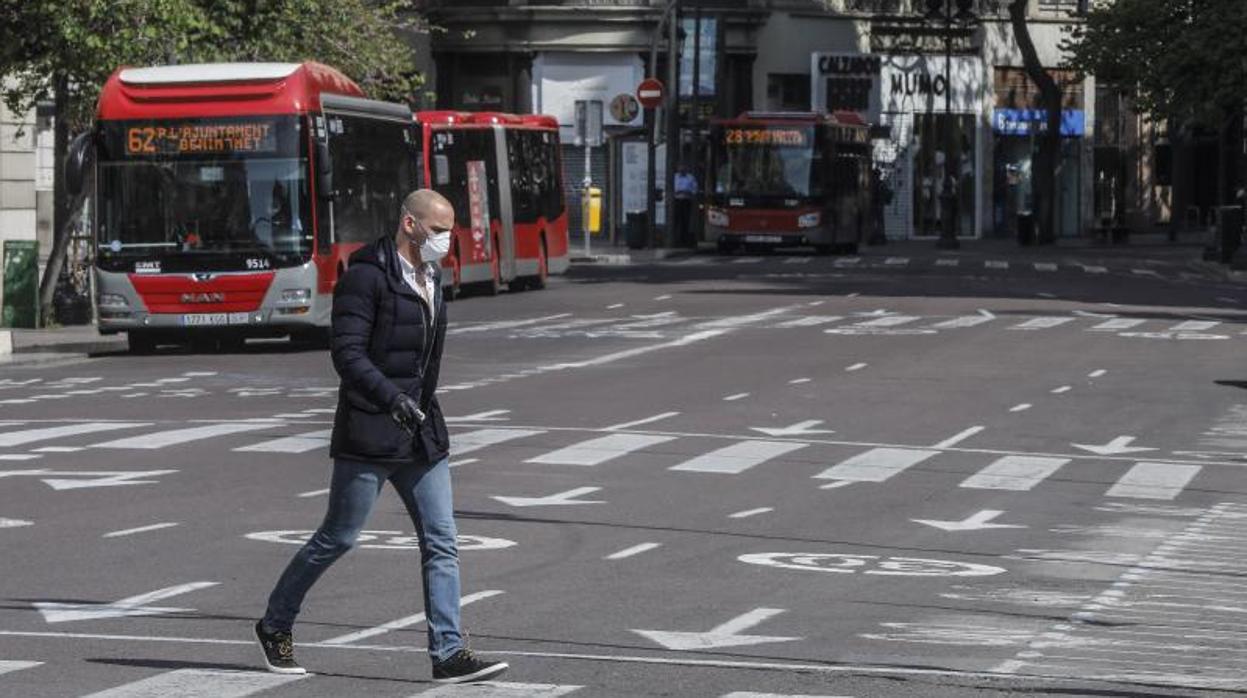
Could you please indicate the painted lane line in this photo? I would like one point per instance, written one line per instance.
(1154, 481)
(322, 410)
(1045, 266)
(753, 694)
(14, 523)
(639, 422)
(292, 415)
(634, 550)
(200, 374)
(965, 321)
(947, 262)
(835, 485)
(501, 689)
(25, 436)
(59, 449)
(737, 396)
(747, 260)
(486, 416)
(482, 438)
(133, 606)
(614, 305)
(1097, 373)
(876, 465)
(404, 622)
(11, 665)
(140, 529)
(959, 437)
(314, 493)
(599, 450)
(1062, 389)
(887, 321)
(729, 634)
(558, 499)
(1193, 326)
(175, 437)
(995, 264)
(1021, 408)
(1094, 269)
(809, 321)
(1014, 473)
(299, 443)
(738, 458)
(856, 367)
(505, 324)
(798, 260)
(815, 304)
(1117, 324)
(463, 461)
(200, 683)
(798, 381)
(663, 297)
(896, 261)
(1045, 294)
(19, 456)
(847, 261)
(750, 512)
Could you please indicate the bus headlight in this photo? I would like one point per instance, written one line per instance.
(717, 218)
(112, 300)
(809, 220)
(296, 295)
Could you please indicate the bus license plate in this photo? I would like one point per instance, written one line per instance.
(205, 319)
(763, 238)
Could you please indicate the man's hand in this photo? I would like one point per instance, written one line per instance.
(406, 413)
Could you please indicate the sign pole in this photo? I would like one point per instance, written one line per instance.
(650, 94)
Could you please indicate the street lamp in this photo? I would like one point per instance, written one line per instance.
(942, 12)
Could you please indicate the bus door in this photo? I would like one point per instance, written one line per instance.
(506, 239)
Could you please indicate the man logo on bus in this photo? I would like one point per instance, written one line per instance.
(215, 297)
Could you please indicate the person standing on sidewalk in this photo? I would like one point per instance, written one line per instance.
(685, 185)
(389, 323)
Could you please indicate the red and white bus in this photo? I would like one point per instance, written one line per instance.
(504, 175)
(229, 196)
(789, 179)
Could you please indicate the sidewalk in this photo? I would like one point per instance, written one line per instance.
(23, 346)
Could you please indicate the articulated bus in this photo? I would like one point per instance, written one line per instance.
(789, 179)
(229, 197)
(504, 175)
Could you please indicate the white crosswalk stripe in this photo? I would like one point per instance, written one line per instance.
(963, 321)
(947, 262)
(1118, 324)
(600, 450)
(798, 260)
(747, 260)
(876, 465)
(468, 442)
(896, 261)
(1194, 326)
(1045, 266)
(739, 457)
(200, 683)
(809, 321)
(847, 261)
(1015, 473)
(505, 324)
(499, 689)
(1042, 323)
(10, 665)
(25, 436)
(996, 264)
(175, 437)
(299, 443)
(751, 694)
(1154, 481)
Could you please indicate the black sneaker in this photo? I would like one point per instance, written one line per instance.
(464, 667)
(278, 648)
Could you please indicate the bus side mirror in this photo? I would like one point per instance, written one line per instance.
(324, 171)
(77, 162)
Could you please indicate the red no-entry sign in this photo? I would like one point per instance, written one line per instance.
(650, 93)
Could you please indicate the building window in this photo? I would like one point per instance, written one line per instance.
(788, 92)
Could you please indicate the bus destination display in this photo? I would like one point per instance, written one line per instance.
(192, 139)
(765, 136)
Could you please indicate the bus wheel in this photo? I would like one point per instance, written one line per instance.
(494, 285)
(141, 342)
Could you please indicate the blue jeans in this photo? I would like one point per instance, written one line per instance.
(426, 492)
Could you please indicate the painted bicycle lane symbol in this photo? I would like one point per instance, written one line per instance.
(383, 540)
(846, 563)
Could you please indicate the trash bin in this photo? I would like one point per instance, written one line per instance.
(591, 209)
(1026, 229)
(1229, 232)
(637, 229)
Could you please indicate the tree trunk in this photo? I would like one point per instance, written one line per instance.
(1045, 165)
(60, 201)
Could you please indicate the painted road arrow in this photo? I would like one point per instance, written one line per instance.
(1115, 447)
(560, 499)
(798, 429)
(725, 635)
(55, 612)
(975, 522)
(75, 480)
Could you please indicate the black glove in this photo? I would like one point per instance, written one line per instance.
(406, 413)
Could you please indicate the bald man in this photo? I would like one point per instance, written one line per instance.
(389, 322)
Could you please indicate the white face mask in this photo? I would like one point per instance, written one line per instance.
(435, 247)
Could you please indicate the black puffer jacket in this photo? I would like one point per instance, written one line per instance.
(384, 344)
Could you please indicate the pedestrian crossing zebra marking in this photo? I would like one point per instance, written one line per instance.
(1149, 480)
(481, 438)
(1042, 323)
(299, 443)
(200, 683)
(499, 689)
(738, 458)
(25, 436)
(11, 665)
(1014, 473)
(599, 450)
(876, 465)
(175, 437)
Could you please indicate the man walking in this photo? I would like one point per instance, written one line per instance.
(389, 323)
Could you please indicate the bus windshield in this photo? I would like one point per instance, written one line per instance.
(766, 162)
(234, 191)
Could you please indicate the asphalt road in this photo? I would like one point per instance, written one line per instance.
(774, 476)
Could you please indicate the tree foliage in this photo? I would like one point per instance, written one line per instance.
(1182, 58)
(83, 41)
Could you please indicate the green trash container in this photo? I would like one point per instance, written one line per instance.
(21, 284)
